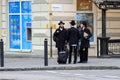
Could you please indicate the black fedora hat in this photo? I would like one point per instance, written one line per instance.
(61, 22)
(72, 22)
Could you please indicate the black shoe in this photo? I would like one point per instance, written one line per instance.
(84, 61)
(79, 61)
(74, 62)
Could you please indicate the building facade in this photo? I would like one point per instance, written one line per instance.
(24, 24)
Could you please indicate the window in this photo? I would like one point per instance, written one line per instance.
(20, 24)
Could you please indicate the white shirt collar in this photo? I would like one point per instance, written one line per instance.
(83, 28)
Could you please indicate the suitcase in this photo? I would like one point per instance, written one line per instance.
(62, 56)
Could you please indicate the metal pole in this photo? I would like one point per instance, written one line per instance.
(104, 39)
(51, 42)
(103, 23)
(1, 53)
(50, 16)
(45, 52)
(97, 47)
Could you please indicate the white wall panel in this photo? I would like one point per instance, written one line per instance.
(40, 7)
(44, 7)
(64, 14)
(113, 30)
(40, 1)
(41, 33)
(115, 24)
(40, 14)
(113, 14)
(4, 17)
(40, 24)
(36, 41)
(4, 2)
(36, 7)
(44, 23)
(36, 24)
(38, 48)
(38, 31)
(62, 1)
(4, 9)
(68, 7)
(4, 25)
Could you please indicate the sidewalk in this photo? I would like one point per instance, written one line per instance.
(21, 62)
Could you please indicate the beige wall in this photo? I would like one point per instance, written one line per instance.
(4, 26)
(0, 17)
(112, 22)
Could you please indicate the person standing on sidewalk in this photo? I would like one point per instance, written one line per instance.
(85, 42)
(60, 37)
(73, 39)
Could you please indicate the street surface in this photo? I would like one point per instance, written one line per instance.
(61, 75)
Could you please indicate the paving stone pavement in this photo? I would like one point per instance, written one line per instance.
(23, 62)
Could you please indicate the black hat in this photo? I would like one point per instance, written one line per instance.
(61, 22)
(72, 22)
(84, 23)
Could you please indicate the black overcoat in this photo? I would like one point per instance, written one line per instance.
(85, 42)
(73, 36)
(60, 37)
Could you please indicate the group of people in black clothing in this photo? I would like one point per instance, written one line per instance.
(72, 36)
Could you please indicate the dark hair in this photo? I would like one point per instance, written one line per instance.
(84, 23)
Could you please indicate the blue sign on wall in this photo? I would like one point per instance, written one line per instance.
(14, 7)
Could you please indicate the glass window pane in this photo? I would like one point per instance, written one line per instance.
(26, 6)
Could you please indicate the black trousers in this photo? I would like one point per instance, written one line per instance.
(72, 49)
(60, 49)
(83, 54)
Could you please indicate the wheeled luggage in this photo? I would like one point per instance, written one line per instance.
(62, 56)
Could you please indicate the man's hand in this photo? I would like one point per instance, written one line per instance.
(86, 37)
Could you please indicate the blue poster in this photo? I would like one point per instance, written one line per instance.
(26, 6)
(14, 31)
(26, 23)
(14, 7)
(20, 25)
(89, 18)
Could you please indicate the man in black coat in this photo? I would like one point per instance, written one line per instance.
(73, 39)
(60, 36)
(85, 42)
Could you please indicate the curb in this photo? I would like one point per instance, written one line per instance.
(63, 68)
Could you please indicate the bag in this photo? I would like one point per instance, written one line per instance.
(55, 38)
(62, 56)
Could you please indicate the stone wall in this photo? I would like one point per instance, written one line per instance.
(61, 10)
(3, 23)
